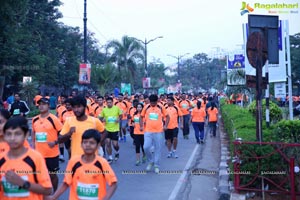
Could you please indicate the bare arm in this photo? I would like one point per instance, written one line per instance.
(62, 188)
(110, 191)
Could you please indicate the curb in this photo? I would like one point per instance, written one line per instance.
(224, 187)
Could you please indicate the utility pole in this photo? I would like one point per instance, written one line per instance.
(84, 34)
(146, 42)
(178, 58)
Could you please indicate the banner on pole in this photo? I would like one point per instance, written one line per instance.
(146, 83)
(236, 74)
(84, 73)
(126, 88)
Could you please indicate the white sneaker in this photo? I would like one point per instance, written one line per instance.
(149, 167)
(156, 170)
(169, 155)
(175, 155)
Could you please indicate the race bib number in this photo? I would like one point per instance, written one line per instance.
(16, 112)
(11, 190)
(87, 191)
(153, 116)
(41, 137)
(136, 119)
(184, 105)
(111, 120)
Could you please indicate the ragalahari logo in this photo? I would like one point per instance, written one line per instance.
(246, 8)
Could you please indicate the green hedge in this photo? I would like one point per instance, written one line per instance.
(240, 120)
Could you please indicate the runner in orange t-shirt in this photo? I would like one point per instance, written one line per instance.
(87, 175)
(198, 118)
(212, 113)
(171, 134)
(75, 126)
(24, 174)
(138, 134)
(131, 112)
(121, 103)
(153, 115)
(185, 106)
(45, 130)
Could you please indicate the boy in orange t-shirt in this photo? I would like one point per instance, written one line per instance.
(24, 175)
(87, 175)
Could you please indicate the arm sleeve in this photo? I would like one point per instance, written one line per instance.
(58, 124)
(65, 128)
(99, 125)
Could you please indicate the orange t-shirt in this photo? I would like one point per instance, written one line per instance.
(98, 110)
(124, 107)
(185, 106)
(24, 167)
(174, 112)
(59, 110)
(46, 130)
(212, 114)
(88, 180)
(136, 121)
(67, 114)
(153, 118)
(80, 126)
(4, 147)
(198, 115)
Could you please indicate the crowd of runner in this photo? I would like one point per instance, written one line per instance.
(90, 129)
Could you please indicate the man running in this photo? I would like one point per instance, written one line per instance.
(171, 134)
(111, 115)
(153, 115)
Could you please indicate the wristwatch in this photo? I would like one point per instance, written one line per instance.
(25, 186)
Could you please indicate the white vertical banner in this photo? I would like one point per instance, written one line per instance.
(280, 90)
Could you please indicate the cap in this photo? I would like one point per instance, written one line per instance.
(44, 100)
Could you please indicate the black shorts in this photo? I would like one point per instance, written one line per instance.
(52, 164)
(113, 135)
(171, 133)
(68, 144)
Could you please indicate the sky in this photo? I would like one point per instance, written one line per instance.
(187, 26)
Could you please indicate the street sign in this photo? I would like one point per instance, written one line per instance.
(257, 49)
(268, 26)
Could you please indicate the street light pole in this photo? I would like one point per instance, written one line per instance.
(179, 57)
(84, 34)
(145, 51)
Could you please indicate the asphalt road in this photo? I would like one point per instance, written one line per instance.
(175, 179)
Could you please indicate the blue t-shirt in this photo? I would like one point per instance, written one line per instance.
(52, 102)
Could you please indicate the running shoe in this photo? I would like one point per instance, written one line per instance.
(109, 160)
(175, 155)
(169, 155)
(117, 156)
(137, 163)
(156, 170)
(149, 167)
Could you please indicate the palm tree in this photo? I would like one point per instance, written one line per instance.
(126, 53)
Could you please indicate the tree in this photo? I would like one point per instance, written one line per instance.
(126, 54)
